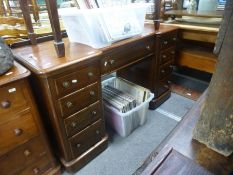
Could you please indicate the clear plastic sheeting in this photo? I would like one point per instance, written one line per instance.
(125, 123)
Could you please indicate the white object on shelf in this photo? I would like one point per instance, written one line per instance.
(101, 27)
(125, 123)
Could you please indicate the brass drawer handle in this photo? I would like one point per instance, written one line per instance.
(5, 104)
(18, 131)
(90, 74)
(112, 62)
(92, 93)
(94, 112)
(69, 104)
(36, 170)
(165, 42)
(65, 84)
(78, 145)
(97, 132)
(27, 153)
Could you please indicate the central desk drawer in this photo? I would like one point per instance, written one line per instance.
(16, 132)
(123, 55)
(87, 138)
(82, 119)
(77, 80)
(22, 156)
(78, 100)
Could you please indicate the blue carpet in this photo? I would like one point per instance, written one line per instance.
(124, 155)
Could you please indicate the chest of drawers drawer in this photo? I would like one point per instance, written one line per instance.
(86, 138)
(165, 70)
(77, 80)
(17, 131)
(22, 156)
(123, 55)
(40, 167)
(78, 100)
(12, 100)
(168, 40)
(167, 55)
(82, 119)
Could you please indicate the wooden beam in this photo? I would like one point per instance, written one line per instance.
(55, 25)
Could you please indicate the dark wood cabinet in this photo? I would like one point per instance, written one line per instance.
(23, 147)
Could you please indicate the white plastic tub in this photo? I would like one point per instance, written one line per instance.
(125, 123)
(102, 26)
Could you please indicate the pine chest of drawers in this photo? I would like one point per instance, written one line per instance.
(23, 146)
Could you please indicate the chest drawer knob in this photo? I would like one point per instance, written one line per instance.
(36, 170)
(94, 112)
(5, 104)
(27, 153)
(90, 74)
(97, 132)
(69, 104)
(147, 47)
(73, 124)
(112, 62)
(18, 131)
(92, 93)
(165, 42)
(78, 145)
(66, 84)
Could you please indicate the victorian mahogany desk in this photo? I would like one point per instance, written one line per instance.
(68, 89)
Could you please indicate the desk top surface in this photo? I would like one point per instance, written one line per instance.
(17, 72)
(181, 140)
(42, 58)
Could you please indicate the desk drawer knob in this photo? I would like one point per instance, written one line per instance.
(169, 82)
(165, 42)
(92, 93)
(173, 52)
(74, 81)
(94, 112)
(73, 124)
(69, 104)
(18, 131)
(171, 67)
(164, 56)
(78, 145)
(5, 104)
(174, 38)
(27, 153)
(90, 74)
(66, 84)
(36, 170)
(105, 63)
(97, 132)
(163, 71)
(148, 47)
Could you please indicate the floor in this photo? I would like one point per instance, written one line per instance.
(124, 155)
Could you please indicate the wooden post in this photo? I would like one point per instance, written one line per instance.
(215, 126)
(55, 25)
(157, 14)
(26, 14)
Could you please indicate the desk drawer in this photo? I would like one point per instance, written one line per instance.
(38, 168)
(123, 55)
(168, 40)
(78, 100)
(87, 138)
(165, 70)
(167, 55)
(77, 80)
(82, 119)
(16, 132)
(12, 100)
(22, 156)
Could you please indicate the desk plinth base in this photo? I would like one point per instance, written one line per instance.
(156, 102)
(76, 164)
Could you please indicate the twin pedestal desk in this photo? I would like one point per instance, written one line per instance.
(68, 89)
